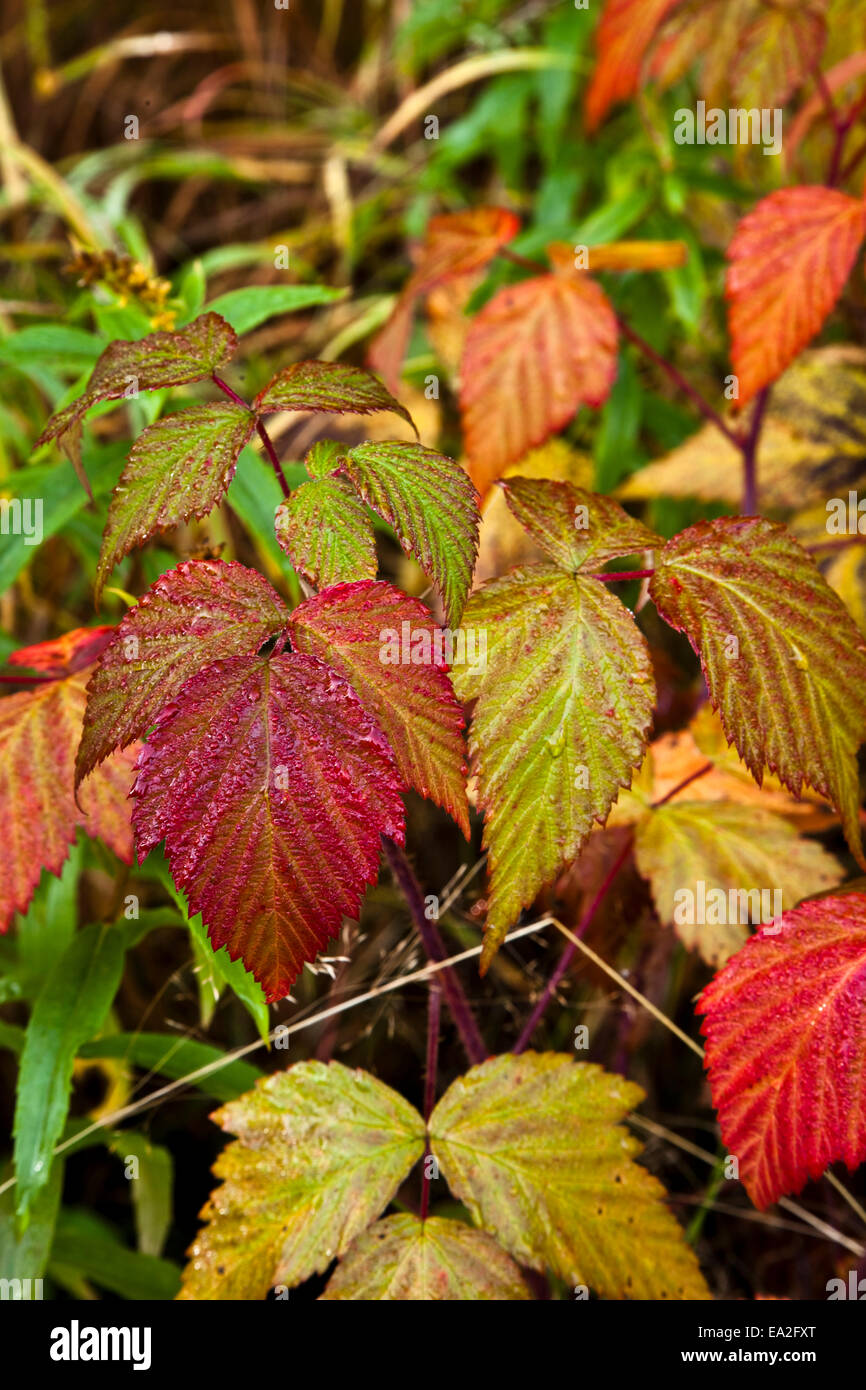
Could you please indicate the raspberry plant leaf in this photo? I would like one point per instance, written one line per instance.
(178, 468)
(271, 786)
(535, 353)
(785, 1024)
(783, 660)
(577, 529)
(199, 612)
(320, 1152)
(625, 31)
(391, 652)
(563, 711)
(39, 733)
(331, 387)
(729, 848)
(402, 1258)
(533, 1146)
(788, 263)
(325, 530)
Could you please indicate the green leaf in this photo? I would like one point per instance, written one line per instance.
(176, 1057)
(730, 848)
(533, 1146)
(247, 308)
(87, 1245)
(432, 505)
(564, 705)
(330, 387)
(577, 529)
(71, 1007)
(178, 468)
(325, 530)
(48, 927)
(783, 660)
(402, 1258)
(149, 1169)
(24, 1254)
(321, 1150)
(51, 346)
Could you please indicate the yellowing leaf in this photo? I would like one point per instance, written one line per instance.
(407, 1259)
(320, 1152)
(577, 529)
(325, 530)
(533, 1146)
(502, 541)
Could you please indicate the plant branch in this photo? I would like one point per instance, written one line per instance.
(434, 946)
(694, 395)
(261, 432)
(750, 455)
(434, 1009)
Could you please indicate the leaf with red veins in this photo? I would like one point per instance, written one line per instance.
(533, 355)
(39, 733)
(394, 656)
(271, 786)
(788, 263)
(178, 468)
(200, 612)
(785, 1023)
(329, 387)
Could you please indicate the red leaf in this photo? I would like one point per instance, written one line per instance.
(39, 733)
(454, 244)
(789, 260)
(535, 353)
(786, 1047)
(348, 627)
(330, 387)
(200, 612)
(271, 786)
(625, 32)
(62, 656)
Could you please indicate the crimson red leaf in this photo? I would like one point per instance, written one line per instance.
(197, 613)
(62, 656)
(271, 786)
(785, 1023)
(330, 387)
(391, 651)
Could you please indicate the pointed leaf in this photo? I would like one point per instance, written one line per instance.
(788, 263)
(737, 850)
(325, 530)
(402, 1258)
(784, 663)
(564, 708)
(393, 655)
(63, 656)
(535, 353)
(625, 32)
(432, 505)
(271, 786)
(320, 1152)
(534, 1148)
(199, 612)
(785, 1024)
(577, 529)
(330, 387)
(178, 468)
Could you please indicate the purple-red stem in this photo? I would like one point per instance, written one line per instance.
(434, 1010)
(434, 946)
(260, 430)
(26, 680)
(616, 575)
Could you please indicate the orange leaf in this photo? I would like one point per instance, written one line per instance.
(788, 262)
(626, 29)
(535, 353)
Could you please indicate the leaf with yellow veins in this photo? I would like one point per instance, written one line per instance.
(320, 1151)
(577, 529)
(533, 1146)
(402, 1258)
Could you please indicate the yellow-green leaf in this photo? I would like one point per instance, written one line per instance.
(325, 530)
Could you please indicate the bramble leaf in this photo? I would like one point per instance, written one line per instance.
(788, 263)
(402, 1258)
(39, 733)
(577, 529)
(331, 387)
(178, 468)
(564, 708)
(732, 849)
(271, 786)
(326, 532)
(391, 652)
(320, 1152)
(535, 353)
(432, 505)
(625, 31)
(785, 1024)
(199, 612)
(532, 1145)
(454, 244)
(783, 660)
